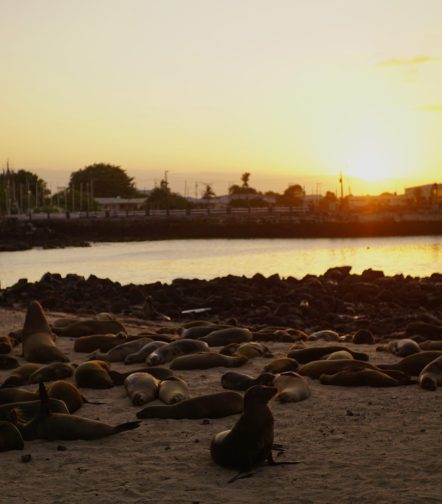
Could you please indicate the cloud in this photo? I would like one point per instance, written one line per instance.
(435, 108)
(418, 60)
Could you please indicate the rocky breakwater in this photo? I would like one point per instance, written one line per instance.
(338, 300)
(24, 235)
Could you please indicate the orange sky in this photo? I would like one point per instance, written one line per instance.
(290, 91)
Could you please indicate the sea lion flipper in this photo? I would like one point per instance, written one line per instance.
(241, 475)
(127, 426)
(44, 400)
(272, 462)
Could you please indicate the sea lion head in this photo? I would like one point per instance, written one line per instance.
(265, 379)
(428, 382)
(259, 394)
(139, 399)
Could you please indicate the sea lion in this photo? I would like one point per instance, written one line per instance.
(341, 354)
(20, 375)
(16, 394)
(292, 387)
(412, 365)
(118, 353)
(173, 390)
(168, 352)
(51, 372)
(305, 355)
(196, 332)
(101, 342)
(69, 394)
(250, 441)
(93, 374)
(431, 345)
(223, 337)
(315, 369)
(144, 352)
(250, 349)
(141, 388)
(160, 373)
(401, 347)
(428, 331)
(431, 376)
(218, 405)
(10, 437)
(28, 409)
(206, 360)
(359, 378)
(38, 341)
(324, 335)
(52, 426)
(233, 380)
(8, 362)
(363, 337)
(87, 327)
(282, 364)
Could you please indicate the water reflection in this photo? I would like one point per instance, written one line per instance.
(146, 262)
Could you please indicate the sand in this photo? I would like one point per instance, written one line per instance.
(362, 445)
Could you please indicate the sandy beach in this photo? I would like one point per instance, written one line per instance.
(354, 445)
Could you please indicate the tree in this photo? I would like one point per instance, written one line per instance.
(103, 180)
(21, 191)
(245, 179)
(209, 193)
(163, 198)
(292, 196)
(244, 188)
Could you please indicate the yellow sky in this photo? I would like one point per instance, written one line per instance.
(286, 89)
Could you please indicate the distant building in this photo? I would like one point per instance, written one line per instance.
(426, 191)
(121, 204)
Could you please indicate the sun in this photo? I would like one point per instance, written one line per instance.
(371, 163)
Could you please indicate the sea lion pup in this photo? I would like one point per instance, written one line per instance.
(206, 360)
(431, 345)
(10, 437)
(7, 343)
(431, 376)
(52, 426)
(20, 375)
(88, 327)
(292, 387)
(401, 347)
(324, 335)
(359, 378)
(282, 364)
(412, 365)
(141, 388)
(38, 341)
(8, 362)
(199, 331)
(168, 352)
(69, 394)
(93, 374)
(250, 350)
(101, 342)
(173, 390)
(315, 369)
(51, 372)
(118, 353)
(223, 337)
(305, 355)
(218, 405)
(144, 352)
(250, 441)
(233, 380)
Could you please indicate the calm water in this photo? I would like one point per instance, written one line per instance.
(151, 261)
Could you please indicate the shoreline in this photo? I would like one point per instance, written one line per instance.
(23, 235)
